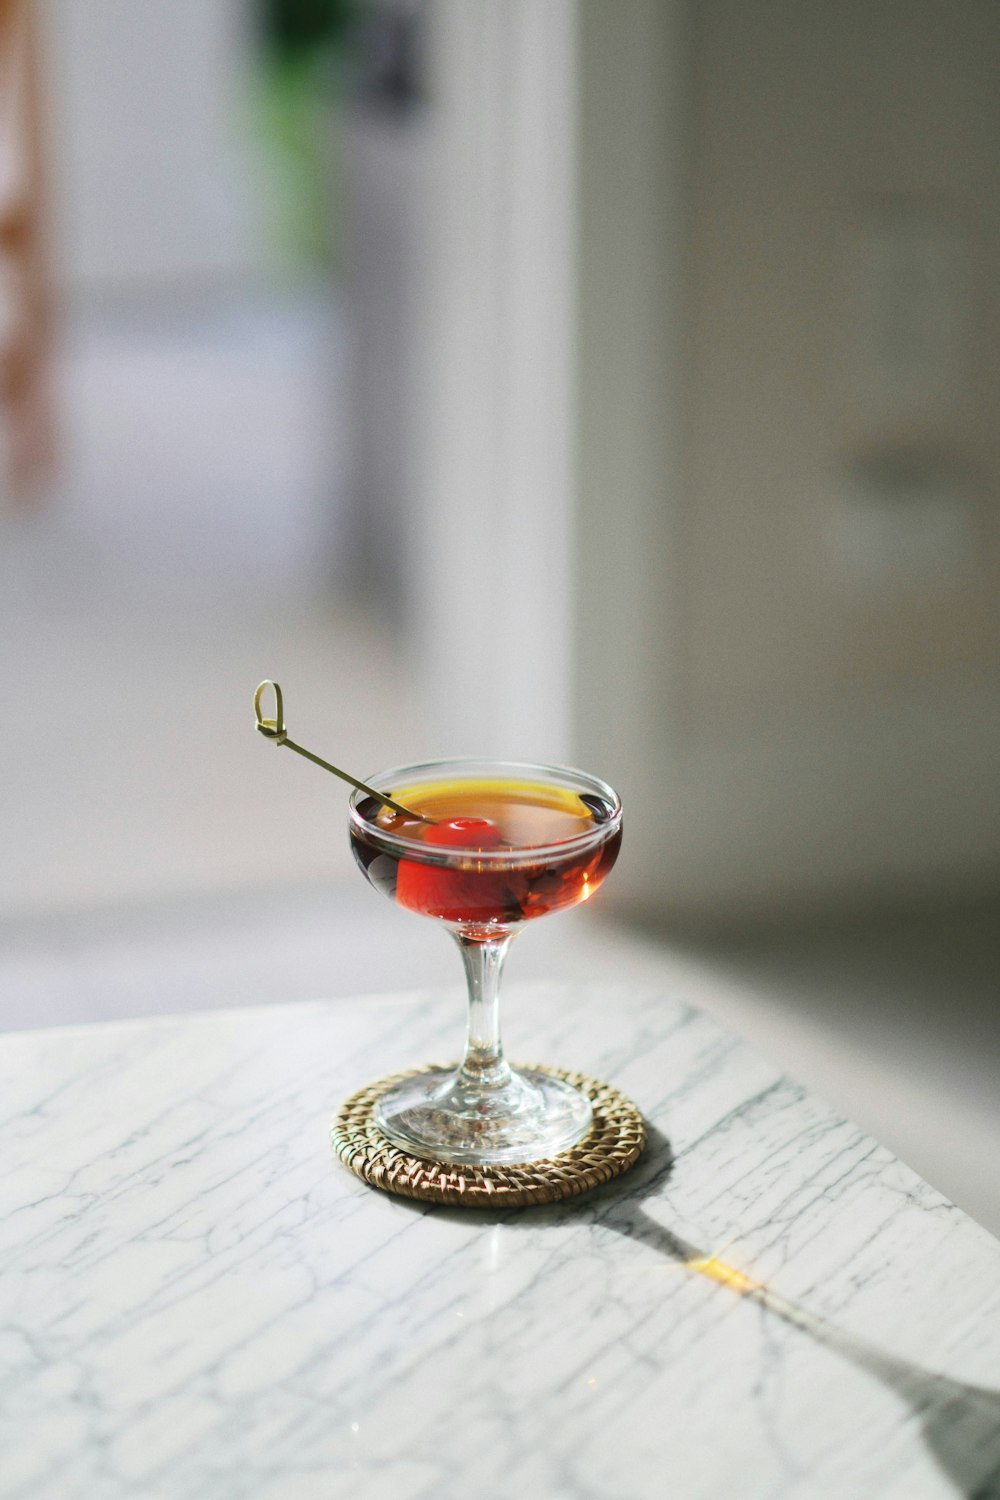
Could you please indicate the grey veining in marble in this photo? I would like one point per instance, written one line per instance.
(198, 1301)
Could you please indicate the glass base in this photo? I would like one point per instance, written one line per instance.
(448, 1116)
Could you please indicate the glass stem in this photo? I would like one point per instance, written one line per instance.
(484, 1066)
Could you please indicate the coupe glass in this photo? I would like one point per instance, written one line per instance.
(483, 880)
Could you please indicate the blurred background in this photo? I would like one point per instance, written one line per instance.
(612, 384)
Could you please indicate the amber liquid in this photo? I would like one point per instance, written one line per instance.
(479, 892)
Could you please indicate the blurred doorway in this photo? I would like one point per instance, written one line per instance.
(196, 535)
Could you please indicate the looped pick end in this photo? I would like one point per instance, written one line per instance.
(274, 728)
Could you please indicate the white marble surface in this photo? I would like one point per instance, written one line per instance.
(197, 1300)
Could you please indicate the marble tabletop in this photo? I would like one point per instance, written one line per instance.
(197, 1300)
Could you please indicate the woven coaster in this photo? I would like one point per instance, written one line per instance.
(614, 1141)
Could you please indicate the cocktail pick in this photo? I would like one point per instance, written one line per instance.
(274, 729)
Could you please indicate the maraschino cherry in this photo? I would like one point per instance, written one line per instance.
(442, 891)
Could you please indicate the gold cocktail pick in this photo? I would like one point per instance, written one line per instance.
(275, 730)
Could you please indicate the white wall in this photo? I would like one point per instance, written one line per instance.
(649, 384)
(630, 306)
(489, 541)
(796, 720)
(822, 136)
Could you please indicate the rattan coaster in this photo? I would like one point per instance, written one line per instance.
(614, 1142)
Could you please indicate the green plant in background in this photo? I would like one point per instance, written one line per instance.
(303, 80)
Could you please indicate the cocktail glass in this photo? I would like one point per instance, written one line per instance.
(503, 843)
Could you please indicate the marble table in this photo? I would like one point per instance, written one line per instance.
(197, 1300)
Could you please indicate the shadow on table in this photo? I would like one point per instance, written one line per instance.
(959, 1423)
